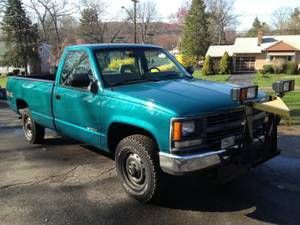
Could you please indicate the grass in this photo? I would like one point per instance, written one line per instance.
(266, 81)
(3, 81)
(291, 99)
(218, 78)
(293, 102)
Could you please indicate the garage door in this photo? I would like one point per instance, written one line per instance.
(245, 64)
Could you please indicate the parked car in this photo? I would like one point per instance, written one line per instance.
(156, 119)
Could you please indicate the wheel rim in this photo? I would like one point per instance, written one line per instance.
(134, 171)
(28, 127)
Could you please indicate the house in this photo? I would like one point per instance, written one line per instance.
(44, 51)
(252, 53)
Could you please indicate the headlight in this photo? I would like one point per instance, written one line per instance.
(188, 128)
(283, 86)
(182, 129)
(244, 93)
(183, 134)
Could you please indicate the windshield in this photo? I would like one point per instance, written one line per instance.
(125, 66)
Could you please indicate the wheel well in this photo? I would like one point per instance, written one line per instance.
(21, 104)
(118, 131)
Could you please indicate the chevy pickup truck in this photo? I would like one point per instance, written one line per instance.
(140, 104)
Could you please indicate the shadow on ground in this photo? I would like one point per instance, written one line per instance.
(67, 182)
(186, 200)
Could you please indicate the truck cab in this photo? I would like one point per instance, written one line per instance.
(140, 104)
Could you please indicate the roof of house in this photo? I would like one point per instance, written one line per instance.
(218, 50)
(250, 45)
(281, 47)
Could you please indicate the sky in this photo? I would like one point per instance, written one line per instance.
(246, 9)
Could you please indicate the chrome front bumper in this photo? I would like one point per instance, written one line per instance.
(178, 165)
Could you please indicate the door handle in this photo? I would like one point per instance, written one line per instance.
(58, 97)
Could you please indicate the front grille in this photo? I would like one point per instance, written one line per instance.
(213, 128)
(227, 124)
(223, 125)
(225, 118)
(214, 139)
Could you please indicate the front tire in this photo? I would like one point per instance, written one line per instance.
(34, 133)
(138, 168)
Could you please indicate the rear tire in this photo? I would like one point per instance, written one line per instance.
(34, 133)
(138, 167)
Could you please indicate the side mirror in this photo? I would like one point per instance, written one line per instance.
(190, 69)
(94, 86)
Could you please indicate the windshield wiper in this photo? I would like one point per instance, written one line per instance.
(127, 82)
(166, 76)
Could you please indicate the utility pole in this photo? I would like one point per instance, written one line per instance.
(134, 19)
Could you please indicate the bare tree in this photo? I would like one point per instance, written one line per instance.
(3, 5)
(94, 27)
(294, 23)
(221, 17)
(91, 25)
(281, 18)
(180, 15)
(43, 19)
(51, 14)
(147, 15)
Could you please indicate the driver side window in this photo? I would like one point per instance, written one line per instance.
(77, 71)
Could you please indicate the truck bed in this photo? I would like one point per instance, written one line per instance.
(46, 77)
(35, 92)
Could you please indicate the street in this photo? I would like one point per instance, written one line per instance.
(65, 182)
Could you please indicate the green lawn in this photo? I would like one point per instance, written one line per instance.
(292, 99)
(3, 82)
(293, 102)
(219, 78)
(266, 81)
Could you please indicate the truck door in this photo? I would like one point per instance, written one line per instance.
(76, 109)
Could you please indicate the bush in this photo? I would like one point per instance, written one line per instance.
(260, 71)
(268, 69)
(279, 66)
(208, 67)
(186, 60)
(224, 66)
(292, 68)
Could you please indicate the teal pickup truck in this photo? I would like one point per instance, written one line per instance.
(141, 105)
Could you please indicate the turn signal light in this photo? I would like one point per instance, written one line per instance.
(177, 131)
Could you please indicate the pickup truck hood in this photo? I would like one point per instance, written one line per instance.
(182, 97)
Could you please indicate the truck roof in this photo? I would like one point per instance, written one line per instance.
(110, 46)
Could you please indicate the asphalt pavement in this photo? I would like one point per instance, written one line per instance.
(242, 79)
(66, 182)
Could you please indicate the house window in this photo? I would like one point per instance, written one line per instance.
(282, 57)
